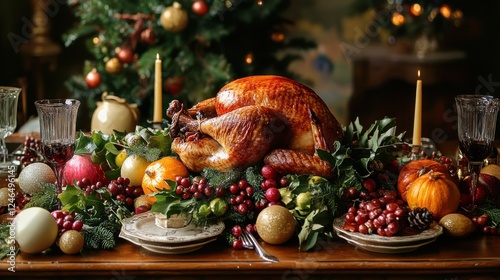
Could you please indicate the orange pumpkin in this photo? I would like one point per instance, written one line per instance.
(414, 169)
(435, 191)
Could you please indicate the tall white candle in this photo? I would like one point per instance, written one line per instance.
(417, 121)
(158, 110)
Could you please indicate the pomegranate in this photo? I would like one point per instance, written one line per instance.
(81, 166)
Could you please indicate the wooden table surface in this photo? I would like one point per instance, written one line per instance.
(477, 256)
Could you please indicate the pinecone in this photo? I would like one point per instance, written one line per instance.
(420, 218)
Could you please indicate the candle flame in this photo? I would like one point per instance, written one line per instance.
(157, 56)
(418, 73)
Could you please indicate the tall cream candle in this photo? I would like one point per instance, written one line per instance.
(417, 121)
(158, 110)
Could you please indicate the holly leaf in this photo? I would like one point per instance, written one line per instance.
(84, 144)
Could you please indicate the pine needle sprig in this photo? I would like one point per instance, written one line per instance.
(46, 198)
(103, 236)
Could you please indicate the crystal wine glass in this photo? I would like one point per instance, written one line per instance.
(58, 132)
(477, 118)
(8, 117)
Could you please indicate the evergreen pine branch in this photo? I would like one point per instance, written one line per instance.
(46, 198)
(102, 236)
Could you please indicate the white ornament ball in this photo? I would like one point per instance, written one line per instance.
(35, 230)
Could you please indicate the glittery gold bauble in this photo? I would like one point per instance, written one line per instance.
(113, 66)
(174, 18)
(275, 224)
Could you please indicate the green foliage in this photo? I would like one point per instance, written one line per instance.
(363, 151)
(101, 215)
(207, 54)
(145, 141)
(46, 198)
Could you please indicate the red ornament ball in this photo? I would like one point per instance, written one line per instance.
(148, 36)
(93, 79)
(125, 55)
(174, 85)
(200, 7)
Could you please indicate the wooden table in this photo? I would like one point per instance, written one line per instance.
(477, 257)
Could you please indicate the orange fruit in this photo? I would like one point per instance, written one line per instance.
(167, 168)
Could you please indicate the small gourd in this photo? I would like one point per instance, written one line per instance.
(435, 191)
(414, 169)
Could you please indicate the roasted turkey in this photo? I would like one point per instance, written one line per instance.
(256, 118)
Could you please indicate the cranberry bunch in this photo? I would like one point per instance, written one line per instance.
(241, 197)
(483, 223)
(31, 151)
(120, 189)
(237, 231)
(198, 188)
(66, 221)
(271, 184)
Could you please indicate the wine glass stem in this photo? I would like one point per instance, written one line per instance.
(474, 168)
(3, 150)
(59, 172)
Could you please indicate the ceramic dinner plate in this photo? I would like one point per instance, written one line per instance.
(143, 228)
(385, 244)
(167, 249)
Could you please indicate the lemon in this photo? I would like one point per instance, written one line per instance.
(120, 158)
(275, 224)
(457, 225)
(133, 168)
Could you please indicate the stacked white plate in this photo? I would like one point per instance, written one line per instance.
(142, 230)
(385, 244)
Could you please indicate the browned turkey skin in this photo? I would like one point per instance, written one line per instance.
(256, 118)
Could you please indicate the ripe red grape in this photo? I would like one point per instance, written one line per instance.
(268, 172)
(273, 194)
(370, 184)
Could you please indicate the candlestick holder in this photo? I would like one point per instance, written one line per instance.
(416, 152)
(155, 125)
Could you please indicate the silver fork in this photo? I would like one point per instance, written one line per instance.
(250, 242)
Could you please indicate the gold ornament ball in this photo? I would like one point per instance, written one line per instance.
(174, 18)
(275, 224)
(113, 66)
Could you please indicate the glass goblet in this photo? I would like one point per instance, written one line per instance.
(58, 132)
(477, 118)
(8, 117)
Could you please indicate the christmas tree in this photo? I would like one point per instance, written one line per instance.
(203, 44)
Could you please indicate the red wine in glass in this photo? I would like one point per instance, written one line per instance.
(476, 150)
(58, 153)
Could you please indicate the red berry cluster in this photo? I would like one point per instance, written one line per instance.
(120, 189)
(237, 231)
(271, 184)
(31, 151)
(66, 221)
(241, 197)
(483, 223)
(197, 188)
